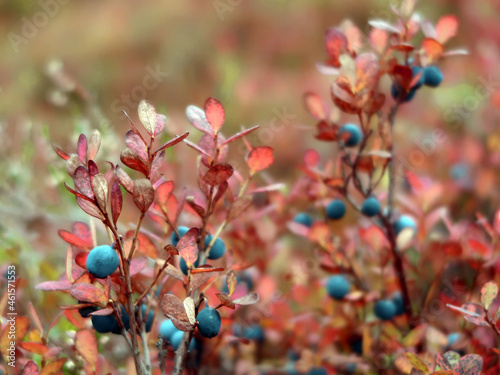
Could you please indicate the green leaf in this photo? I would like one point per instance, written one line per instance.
(416, 362)
(488, 293)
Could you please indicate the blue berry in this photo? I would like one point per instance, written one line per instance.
(253, 332)
(150, 318)
(397, 299)
(304, 219)
(385, 309)
(355, 134)
(432, 76)
(338, 286)
(104, 323)
(174, 238)
(415, 70)
(209, 322)
(397, 90)
(336, 209)
(318, 371)
(403, 222)
(86, 311)
(167, 329)
(452, 338)
(102, 261)
(370, 207)
(459, 171)
(176, 339)
(217, 250)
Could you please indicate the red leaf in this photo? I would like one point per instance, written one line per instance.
(54, 285)
(116, 201)
(206, 268)
(100, 188)
(315, 105)
(478, 247)
(173, 308)
(144, 194)
(163, 193)
(82, 147)
(311, 158)
(103, 312)
(158, 167)
(225, 300)
(172, 142)
(90, 208)
(82, 182)
(146, 245)
(336, 44)
(63, 155)
(86, 346)
(446, 28)
(239, 135)
(124, 179)
(260, 158)
(188, 246)
(137, 265)
(218, 174)
(470, 364)
(87, 293)
(200, 150)
(196, 116)
(161, 121)
(31, 368)
(131, 160)
(94, 144)
(215, 113)
(137, 145)
(74, 240)
(433, 49)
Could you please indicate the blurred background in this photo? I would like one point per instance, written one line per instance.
(69, 67)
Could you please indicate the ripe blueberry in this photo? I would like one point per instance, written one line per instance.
(385, 309)
(403, 222)
(176, 339)
(432, 76)
(304, 219)
(102, 261)
(184, 266)
(150, 317)
(338, 286)
(217, 250)
(355, 134)
(209, 322)
(370, 207)
(336, 209)
(167, 329)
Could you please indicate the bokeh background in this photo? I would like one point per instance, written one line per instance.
(69, 67)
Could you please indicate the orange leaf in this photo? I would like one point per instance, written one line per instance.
(86, 346)
(260, 158)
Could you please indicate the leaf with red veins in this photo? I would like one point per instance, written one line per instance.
(218, 174)
(116, 201)
(124, 179)
(173, 308)
(82, 147)
(143, 194)
(87, 293)
(188, 246)
(336, 44)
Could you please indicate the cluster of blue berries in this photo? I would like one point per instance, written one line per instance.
(430, 76)
(216, 252)
(109, 323)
